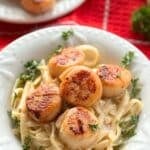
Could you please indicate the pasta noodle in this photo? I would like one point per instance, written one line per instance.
(21, 106)
(108, 111)
(44, 72)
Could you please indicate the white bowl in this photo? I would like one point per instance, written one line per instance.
(11, 11)
(37, 45)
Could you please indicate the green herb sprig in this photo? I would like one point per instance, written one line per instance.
(135, 89)
(30, 73)
(67, 34)
(93, 127)
(128, 127)
(27, 143)
(127, 59)
(58, 49)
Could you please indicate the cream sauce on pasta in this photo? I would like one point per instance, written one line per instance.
(108, 111)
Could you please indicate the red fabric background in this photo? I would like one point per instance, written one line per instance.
(91, 13)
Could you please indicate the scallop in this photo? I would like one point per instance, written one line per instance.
(44, 103)
(78, 128)
(115, 79)
(68, 58)
(37, 6)
(81, 86)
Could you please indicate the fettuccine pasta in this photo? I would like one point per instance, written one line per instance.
(81, 105)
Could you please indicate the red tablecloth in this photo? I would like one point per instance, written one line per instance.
(110, 15)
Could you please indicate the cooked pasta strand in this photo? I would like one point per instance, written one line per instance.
(109, 112)
(27, 88)
(46, 78)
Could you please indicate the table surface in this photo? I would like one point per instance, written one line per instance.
(111, 15)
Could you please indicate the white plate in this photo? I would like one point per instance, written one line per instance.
(37, 45)
(11, 11)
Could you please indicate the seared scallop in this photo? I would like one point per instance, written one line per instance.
(44, 103)
(78, 128)
(69, 57)
(81, 86)
(115, 79)
(37, 6)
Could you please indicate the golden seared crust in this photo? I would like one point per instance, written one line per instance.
(44, 103)
(69, 57)
(109, 73)
(81, 86)
(37, 6)
(78, 121)
(75, 130)
(114, 79)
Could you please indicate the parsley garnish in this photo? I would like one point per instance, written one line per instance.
(127, 59)
(14, 120)
(93, 127)
(30, 73)
(135, 89)
(58, 49)
(67, 34)
(128, 127)
(27, 143)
